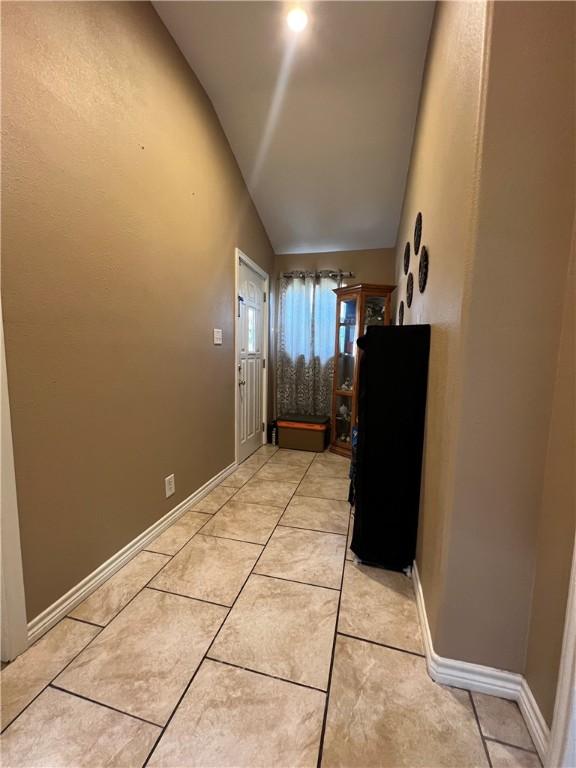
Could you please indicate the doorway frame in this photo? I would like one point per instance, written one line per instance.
(561, 748)
(239, 256)
(14, 635)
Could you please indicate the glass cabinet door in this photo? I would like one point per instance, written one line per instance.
(374, 311)
(347, 335)
(343, 420)
(345, 361)
(358, 307)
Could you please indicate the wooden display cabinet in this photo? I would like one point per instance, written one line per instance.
(357, 307)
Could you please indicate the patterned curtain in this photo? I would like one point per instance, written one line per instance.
(305, 354)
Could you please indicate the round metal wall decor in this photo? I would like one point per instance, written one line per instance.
(423, 269)
(406, 258)
(409, 289)
(417, 233)
(401, 313)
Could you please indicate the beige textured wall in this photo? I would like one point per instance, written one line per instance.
(122, 204)
(557, 521)
(525, 212)
(494, 177)
(377, 265)
(442, 184)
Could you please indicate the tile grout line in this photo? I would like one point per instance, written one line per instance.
(186, 689)
(257, 503)
(206, 657)
(226, 538)
(482, 738)
(85, 621)
(155, 552)
(382, 645)
(514, 746)
(223, 622)
(101, 628)
(171, 557)
(331, 668)
(294, 581)
(73, 659)
(199, 532)
(260, 544)
(187, 597)
(210, 516)
(229, 538)
(315, 530)
(265, 674)
(101, 704)
(52, 684)
(53, 678)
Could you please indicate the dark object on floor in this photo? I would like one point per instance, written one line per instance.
(270, 430)
(391, 413)
(303, 433)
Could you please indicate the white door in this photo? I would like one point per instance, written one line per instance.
(251, 297)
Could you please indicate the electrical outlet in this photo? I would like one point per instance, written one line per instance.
(170, 485)
(218, 336)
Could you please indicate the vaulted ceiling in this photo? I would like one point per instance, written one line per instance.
(321, 123)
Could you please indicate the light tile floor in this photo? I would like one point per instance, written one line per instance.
(247, 635)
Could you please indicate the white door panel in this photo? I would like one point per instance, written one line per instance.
(250, 360)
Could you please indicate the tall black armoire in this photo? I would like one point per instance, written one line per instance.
(391, 410)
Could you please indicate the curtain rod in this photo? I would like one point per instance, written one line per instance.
(320, 273)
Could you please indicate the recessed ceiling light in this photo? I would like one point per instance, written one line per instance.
(297, 19)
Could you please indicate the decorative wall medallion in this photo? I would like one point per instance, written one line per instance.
(406, 258)
(409, 289)
(401, 313)
(417, 233)
(423, 269)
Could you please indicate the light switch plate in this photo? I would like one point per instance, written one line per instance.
(217, 335)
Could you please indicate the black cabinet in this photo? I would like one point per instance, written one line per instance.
(393, 379)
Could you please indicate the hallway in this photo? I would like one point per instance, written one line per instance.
(220, 643)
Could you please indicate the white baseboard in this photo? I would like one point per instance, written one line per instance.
(476, 677)
(45, 620)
